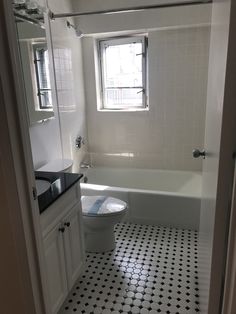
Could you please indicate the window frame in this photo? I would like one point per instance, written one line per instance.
(115, 41)
(36, 46)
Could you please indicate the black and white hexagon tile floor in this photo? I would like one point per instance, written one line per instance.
(152, 270)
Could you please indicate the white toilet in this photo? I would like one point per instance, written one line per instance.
(100, 214)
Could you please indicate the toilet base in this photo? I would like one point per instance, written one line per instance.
(99, 242)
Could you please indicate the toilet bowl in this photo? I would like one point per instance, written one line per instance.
(100, 214)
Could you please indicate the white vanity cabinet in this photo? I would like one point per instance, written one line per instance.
(73, 246)
(63, 245)
(55, 268)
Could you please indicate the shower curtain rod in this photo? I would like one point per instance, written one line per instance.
(131, 9)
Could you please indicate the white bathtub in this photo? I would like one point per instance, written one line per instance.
(161, 197)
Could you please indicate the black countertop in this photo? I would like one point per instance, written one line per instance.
(60, 183)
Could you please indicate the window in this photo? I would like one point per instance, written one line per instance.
(41, 61)
(123, 73)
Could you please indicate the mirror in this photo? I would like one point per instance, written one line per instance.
(35, 62)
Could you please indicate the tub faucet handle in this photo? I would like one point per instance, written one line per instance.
(197, 153)
(79, 141)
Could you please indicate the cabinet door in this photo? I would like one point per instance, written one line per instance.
(56, 269)
(74, 245)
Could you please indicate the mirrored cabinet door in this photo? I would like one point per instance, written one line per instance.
(35, 60)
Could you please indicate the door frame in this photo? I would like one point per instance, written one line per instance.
(221, 236)
(22, 163)
(229, 301)
(21, 288)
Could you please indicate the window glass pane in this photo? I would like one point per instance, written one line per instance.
(123, 97)
(43, 77)
(43, 68)
(123, 65)
(46, 99)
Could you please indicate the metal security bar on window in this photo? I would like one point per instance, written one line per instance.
(41, 62)
(123, 73)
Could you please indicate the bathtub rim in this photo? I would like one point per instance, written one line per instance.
(119, 189)
(150, 191)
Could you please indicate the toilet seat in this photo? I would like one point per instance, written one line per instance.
(101, 206)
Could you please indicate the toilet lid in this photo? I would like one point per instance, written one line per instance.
(102, 205)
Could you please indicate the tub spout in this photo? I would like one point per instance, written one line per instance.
(85, 165)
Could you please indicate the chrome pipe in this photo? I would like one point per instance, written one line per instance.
(128, 10)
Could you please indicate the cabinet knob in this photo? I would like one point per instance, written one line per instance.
(62, 229)
(67, 224)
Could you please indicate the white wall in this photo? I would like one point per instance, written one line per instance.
(164, 136)
(140, 20)
(220, 144)
(56, 138)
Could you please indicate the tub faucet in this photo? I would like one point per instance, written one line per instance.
(85, 165)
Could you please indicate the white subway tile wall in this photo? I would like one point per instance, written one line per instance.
(164, 136)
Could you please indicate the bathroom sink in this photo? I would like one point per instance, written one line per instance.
(42, 186)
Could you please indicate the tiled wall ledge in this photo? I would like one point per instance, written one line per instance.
(146, 161)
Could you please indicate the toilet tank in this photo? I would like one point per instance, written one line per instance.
(58, 165)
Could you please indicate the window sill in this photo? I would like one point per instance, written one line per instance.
(124, 110)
